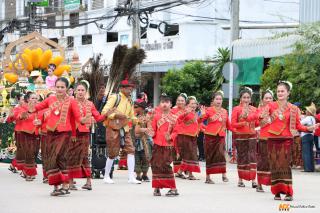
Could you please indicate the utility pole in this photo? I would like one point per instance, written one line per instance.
(136, 23)
(234, 35)
(62, 17)
(136, 32)
(32, 15)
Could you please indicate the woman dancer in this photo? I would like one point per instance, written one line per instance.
(263, 169)
(63, 108)
(78, 163)
(178, 110)
(285, 123)
(187, 129)
(214, 137)
(245, 138)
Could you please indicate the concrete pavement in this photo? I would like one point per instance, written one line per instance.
(19, 196)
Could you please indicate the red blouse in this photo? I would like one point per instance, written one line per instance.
(187, 124)
(15, 118)
(264, 123)
(240, 123)
(162, 125)
(87, 109)
(285, 121)
(218, 122)
(28, 125)
(59, 118)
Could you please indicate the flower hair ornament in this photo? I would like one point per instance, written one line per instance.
(287, 83)
(184, 95)
(220, 92)
(248, 89)
(86, 83)
(270, 91)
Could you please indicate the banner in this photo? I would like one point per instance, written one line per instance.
(71, 4)
(40, 3)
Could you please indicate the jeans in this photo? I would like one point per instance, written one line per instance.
(307, 153)
(200, 145)
(316, 143)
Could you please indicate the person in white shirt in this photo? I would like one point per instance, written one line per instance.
(307, 139)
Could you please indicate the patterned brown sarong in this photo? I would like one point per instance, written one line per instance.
(30, 144)
(187, 148)
(280, 157)
(43, 139)
(214, 148)
(263, 168)
(57, 151)
(247, 160)
(113, 143)
(77, 162)
(297, 152)
(20, 153)
(162, 174)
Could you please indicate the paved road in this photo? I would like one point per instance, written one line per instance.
(19, 196)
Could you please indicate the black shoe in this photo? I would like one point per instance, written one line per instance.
(139, 178)
(145, 179)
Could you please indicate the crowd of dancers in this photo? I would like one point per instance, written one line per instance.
(60, 126)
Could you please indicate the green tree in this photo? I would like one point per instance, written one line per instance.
(195, 78)
(301, 67)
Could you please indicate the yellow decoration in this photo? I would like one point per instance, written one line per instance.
(10, 66)
(19, 65)
(56, 60)
(60, 70)
(45, 58)
(27, 51)
(11, 77)
(71, 79)
(36, 54)
(27, 60)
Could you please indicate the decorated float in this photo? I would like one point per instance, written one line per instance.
(31, 63)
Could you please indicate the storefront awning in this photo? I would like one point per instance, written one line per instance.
(267, 47)
(161, 66)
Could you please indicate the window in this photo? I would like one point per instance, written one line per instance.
(74, 19)
(70, 41)
(171, 30)
(86, 39)
(97, 4)
(54, 39)
(143, 32)
(124, 39)
(112, 36)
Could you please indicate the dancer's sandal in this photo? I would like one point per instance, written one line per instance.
(241, 184)
(12, 169)
(225, 179)
(157, 192)
(209, 181)
(73, 188)
(87, 187)
(56, 192)
(288, 198)
(259, 189)
(172, 193)
(180, 175)
(254, 185)
(28, 178)
(277, 197)
(64, 191)
(192, 178)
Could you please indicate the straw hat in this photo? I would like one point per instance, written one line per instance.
(312, 109)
